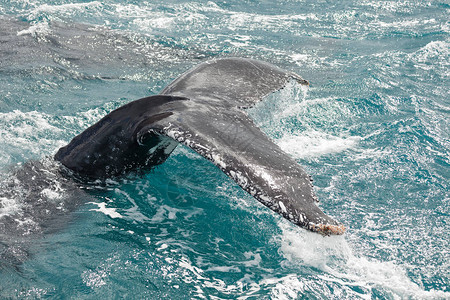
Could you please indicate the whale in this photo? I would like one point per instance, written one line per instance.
(205, 110)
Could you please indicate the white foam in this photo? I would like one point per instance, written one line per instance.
(334, 256)
(299, 57)
(403, 23)
(62, 9)
(31, 121)
(34, 134)
(147, 17)
(287, 102)
(51, 194)
(109, 211)
(237, 19)
(97, 277)
(256, 261)
(315, 143)
(86, 118)
(9, 206)
(163, 212)
(27, 133)
(286, 287)
(94, 278)
(158, 22)
(186, 264)
(132, 212)
(36, 30)
(433, 50)
(394, 6)
(224, 269)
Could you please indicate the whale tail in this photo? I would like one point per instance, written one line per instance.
(203, 110)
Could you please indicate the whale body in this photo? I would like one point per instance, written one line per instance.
(199, 109)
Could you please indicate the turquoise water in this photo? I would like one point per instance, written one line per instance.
(372, 129)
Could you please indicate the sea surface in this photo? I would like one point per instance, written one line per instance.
(372, 129)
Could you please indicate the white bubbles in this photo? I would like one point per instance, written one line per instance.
(26, 134)
(293, 105)
(109, 211)
(9, 206)
(36, 30)
(311, 249)
(341, 266)
(315, 143)
(436, 51)
(48, 11)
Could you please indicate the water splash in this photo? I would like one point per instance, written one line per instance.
(358, 274)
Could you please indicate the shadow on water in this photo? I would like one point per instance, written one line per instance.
(37, 199)
(52, 60)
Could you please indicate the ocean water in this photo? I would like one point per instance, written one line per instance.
(372, 129)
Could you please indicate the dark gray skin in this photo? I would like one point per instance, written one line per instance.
(202, 109)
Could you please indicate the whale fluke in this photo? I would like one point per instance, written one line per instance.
(204, 109)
